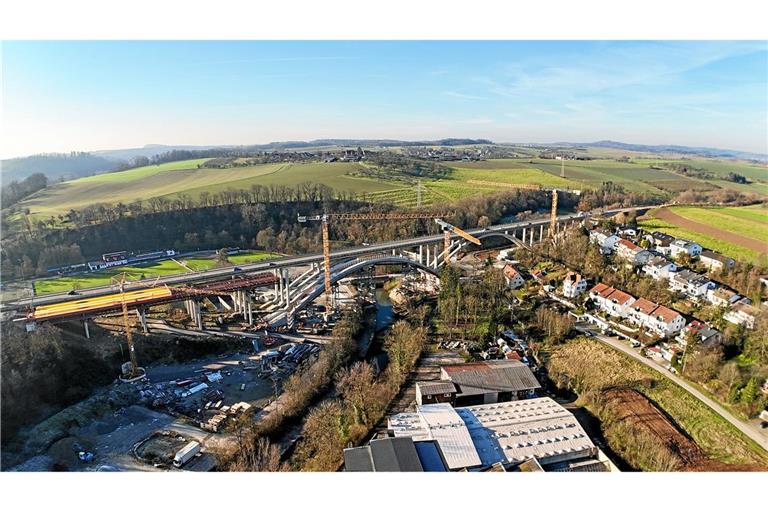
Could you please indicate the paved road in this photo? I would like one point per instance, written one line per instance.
(747, 429)
(290, 261)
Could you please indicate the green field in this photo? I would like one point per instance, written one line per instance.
(104, 277)
(142, 271)
(750, 222)
(170, 180)
(186, 177)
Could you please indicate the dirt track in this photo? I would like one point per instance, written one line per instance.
(673, 218)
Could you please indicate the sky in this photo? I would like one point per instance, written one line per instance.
(91, 95)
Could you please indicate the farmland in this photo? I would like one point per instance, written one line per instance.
(188, 177)
(170, 180)
(142, 271)
(739, 232)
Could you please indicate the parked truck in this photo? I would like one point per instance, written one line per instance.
(185, 454)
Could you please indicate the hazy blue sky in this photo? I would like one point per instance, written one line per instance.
(62, 96)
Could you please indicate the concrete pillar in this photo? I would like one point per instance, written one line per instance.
(250, 311)
(421, 254)
(524, 234)
(429, 262)
(530, 236)
(541, 232)
(87, 332)
(142, 314)
(287, 287)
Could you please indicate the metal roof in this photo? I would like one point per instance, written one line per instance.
(491, 376)
(437, 387)
(388, 454)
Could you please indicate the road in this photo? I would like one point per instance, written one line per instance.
(290, 261)
(747, 429)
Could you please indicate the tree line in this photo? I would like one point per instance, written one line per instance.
(14, 191)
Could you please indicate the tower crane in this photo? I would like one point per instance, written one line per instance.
(134, 370)
(326, 218)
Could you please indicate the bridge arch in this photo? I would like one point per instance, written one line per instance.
(501, 234)
(354, 268)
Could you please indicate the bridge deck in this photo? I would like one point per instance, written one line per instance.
(103, 303)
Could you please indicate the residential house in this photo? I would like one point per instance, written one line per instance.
(715, 261)
(512, 277)
(665, 321)
(660, 240)
(604, 239)
(742, 314)
(690, 283)
(702, 333)
(574, 285)
(681, 246)
(612, 301)
(631, 252)
(656, 318)
(722, 296)
(658, 268)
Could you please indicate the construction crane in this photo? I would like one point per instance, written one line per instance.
(553, 217)
(450, 228)
(134, 370)
(326, 218)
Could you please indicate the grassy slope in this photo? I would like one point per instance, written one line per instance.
(735, 251)
(722, 218)
(133, 273)
(147, 270)
(185, 177)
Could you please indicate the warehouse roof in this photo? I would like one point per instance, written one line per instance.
(388, 454)
(509, 432)
(491, 376)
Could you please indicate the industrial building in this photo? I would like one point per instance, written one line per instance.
(511, 433)
(395, 454)
(484, 382)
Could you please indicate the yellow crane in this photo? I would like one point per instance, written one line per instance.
(134, 371)
(326, 218)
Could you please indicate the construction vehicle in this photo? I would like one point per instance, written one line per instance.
(326, 219)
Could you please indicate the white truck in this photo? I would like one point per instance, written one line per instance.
(184, 455)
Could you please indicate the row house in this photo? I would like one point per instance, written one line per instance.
(574, 285)
(612, 301)
(690, 283)
(659, 268)
(714, 261)
(632, 253)
(656, 318)
(661, 241)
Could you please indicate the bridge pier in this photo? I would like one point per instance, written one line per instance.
(530, 236)
(85, 326)
(421, 254)
(541, 232)
(193, 309)
(524, 232)
(142, 314)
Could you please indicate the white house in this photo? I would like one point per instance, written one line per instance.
(631, 252)
(722, 296)
(742, 314)
(681, 246)
(574, 285)
(604, 239)
(666, 321)
(612, 301)
(512, 277)
(661, 241)
(714, 261)
(659, 268)
(690, 283)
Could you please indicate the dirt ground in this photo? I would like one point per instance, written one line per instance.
(671, 217)
(635, 409)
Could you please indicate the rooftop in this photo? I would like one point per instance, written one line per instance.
(509, 432)
(389, 454)
(491, 376)
(437, 387)
(644, 306)
(619, 296)
(666, 314)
